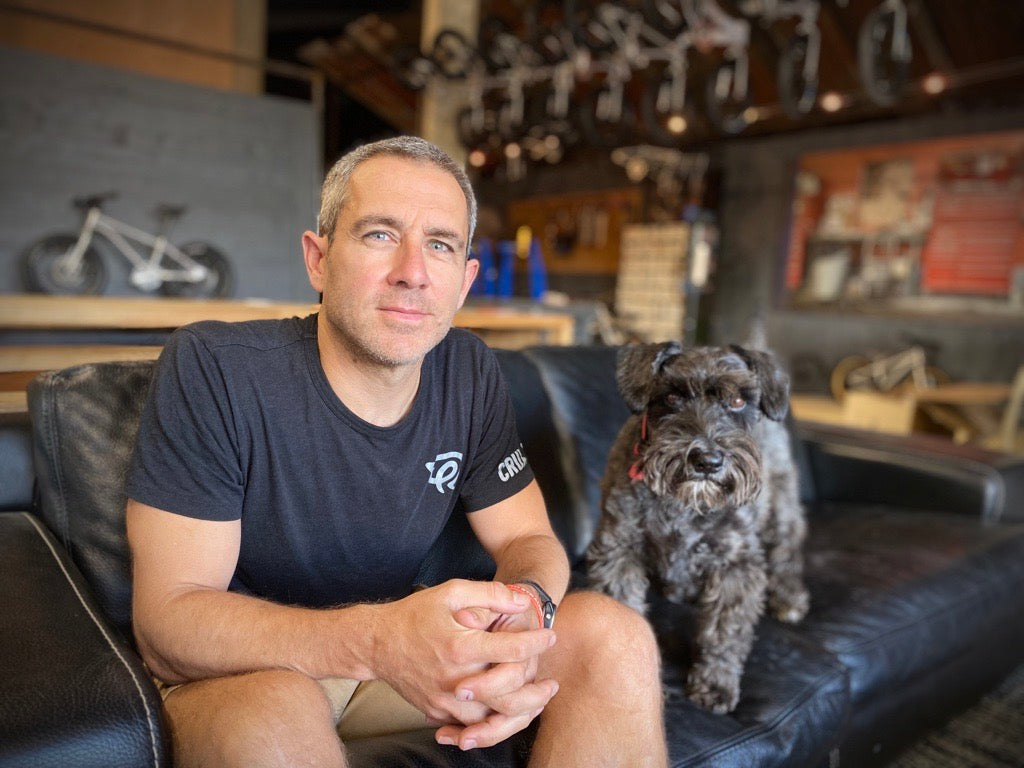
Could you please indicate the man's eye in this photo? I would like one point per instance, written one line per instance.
(440, 247)
(377, 237)
(737, 403)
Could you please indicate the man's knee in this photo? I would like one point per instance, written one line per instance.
(612, 634)
(254, 716)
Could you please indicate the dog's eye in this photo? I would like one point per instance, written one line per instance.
(737, 403)
(673, 399)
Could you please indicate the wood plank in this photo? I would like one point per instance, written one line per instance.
(41, 312)
(13, 402)
(49, 357)
(963, 393)
(25, 312)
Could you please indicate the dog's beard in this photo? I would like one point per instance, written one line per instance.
(668, 470)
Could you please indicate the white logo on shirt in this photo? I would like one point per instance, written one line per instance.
(444, 470)
(511, 465)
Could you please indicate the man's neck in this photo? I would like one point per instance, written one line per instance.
(379, 394)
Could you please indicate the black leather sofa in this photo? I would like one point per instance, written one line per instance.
(915, 562)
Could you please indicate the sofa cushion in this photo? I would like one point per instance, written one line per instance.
(74, 694)
(923, 608)
(15, 461)
(588, 414)
(84, 421)
(794, 699)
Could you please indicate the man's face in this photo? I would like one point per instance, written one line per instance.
(396, 270)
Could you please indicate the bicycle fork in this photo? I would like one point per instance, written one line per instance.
(70, 264)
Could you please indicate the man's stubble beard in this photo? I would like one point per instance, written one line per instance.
(372, 348)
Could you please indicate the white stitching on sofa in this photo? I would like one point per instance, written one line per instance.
(106, 636)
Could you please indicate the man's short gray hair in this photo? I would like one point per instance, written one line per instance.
(336, 183)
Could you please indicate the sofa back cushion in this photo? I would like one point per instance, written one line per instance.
(84, 421)
(588, 413)
(15, 462)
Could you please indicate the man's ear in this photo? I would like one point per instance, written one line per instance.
(774, 381)
(314, 253)
(636, 368)
(472, 268)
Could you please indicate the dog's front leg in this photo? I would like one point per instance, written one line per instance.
(615, 556)
(783, 538)
(728, 607)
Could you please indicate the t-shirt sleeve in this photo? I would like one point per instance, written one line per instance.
(499, 468)
(186, 457)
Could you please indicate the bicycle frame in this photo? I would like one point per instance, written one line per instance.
(146, 272)
(886, 372)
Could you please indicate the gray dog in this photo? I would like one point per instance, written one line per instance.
(701, 493)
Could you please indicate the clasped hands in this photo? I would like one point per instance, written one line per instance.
(441, 655)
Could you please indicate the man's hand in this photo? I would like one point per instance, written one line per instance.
(509, 690)
(435, 650)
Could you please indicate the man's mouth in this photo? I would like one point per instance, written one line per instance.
(405, 313)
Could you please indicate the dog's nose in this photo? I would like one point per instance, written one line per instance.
(706, 462)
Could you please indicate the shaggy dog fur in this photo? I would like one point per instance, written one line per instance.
(701, 493)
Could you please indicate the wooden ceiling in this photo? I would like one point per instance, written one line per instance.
(978, 45)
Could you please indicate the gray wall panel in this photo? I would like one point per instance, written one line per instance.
(248, 168)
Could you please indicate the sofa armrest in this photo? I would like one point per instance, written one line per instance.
(74, 692)
(914, 472)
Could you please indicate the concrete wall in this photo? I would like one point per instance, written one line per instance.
(125, 34)
(757, 192)
(247, 167)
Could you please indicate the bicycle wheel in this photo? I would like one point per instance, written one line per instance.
(411, 68)
(42, 271)
(797, 94)
(219, 280)
(663, 122)
(726, 111)
(884, 74)
(837, 381)
(587, 31)
(452, 54)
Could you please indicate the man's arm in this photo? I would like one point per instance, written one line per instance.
(518, 535)
(189, 627)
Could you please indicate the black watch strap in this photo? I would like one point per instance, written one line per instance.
(547, 605)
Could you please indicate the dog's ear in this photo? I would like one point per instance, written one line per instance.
(773, 380)
(637, 366)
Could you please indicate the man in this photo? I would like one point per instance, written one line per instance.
(289, 478)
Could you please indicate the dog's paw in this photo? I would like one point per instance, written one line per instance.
(673, 692)
(708, 692)
(789, 604)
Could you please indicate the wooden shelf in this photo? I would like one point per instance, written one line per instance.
(500, 326)
(40, 312)
(101, 313)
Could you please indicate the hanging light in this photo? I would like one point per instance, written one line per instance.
(676, 124)
(934, 83)
(832, 101)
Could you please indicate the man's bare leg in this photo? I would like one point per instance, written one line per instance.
(266, 719)
(608, 710)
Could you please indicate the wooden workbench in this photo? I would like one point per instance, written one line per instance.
(499, 326)
(39, 312)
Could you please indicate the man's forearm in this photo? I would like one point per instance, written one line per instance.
(540, 558)
(210, 633)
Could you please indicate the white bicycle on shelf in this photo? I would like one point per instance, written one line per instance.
(69, 264)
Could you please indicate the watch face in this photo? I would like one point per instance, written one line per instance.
(546, 603)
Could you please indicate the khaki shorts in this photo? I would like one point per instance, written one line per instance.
(361, 710)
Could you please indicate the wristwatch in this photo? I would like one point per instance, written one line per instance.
(547, 605)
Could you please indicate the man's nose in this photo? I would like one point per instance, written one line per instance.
(410, 265)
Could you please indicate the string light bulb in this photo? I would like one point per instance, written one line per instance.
(832, 101)
(934, 83)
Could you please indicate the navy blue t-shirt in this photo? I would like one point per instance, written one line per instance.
(241, 423)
